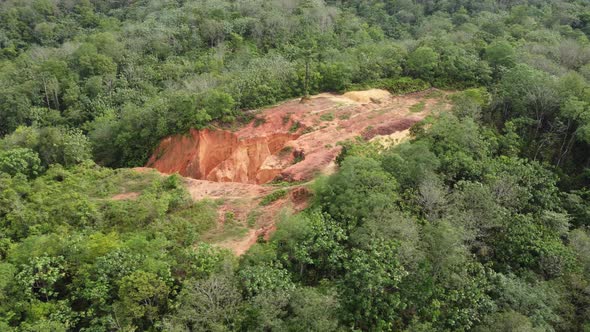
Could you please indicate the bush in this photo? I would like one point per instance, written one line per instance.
(401, 85)
(273, 197)
(20, 161)
(54, 145)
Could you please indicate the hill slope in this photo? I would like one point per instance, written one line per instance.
(293, 142)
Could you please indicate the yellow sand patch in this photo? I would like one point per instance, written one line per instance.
(368, 96)
(394, 139)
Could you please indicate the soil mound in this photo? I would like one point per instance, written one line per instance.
(368, 96)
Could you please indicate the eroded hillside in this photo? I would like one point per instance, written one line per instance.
(292, 141)
(289, 143)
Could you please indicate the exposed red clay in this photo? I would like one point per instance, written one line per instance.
(293, 141)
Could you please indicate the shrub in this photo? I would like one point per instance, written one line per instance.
(273, 197)
(403, 85)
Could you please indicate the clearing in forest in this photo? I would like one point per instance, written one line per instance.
(261, 168)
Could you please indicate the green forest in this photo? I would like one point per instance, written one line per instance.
(481, 222)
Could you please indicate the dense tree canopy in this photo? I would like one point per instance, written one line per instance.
(481, 222)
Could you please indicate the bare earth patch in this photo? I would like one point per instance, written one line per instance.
(295, 142)
(368, 96)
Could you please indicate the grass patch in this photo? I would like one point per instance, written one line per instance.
(434, 94)
(284, 184)
(259, 121)
(417, 108)
(229, 217)
(286, 118)
(121, 181)
(198, 219)
(307, 130)
(273, 197)
(252, 217)
(230, 231)
(437, 110)
(327, 117)
(285, 151)
(298, 158)
(295, 127)
(381, 111)
(344, 116)
(203, 210)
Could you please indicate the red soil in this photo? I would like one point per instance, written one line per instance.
(304, 132)
(293, 141)
(219, 156)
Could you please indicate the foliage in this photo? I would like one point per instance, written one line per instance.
(273, 197)
(54, 145)
(478, 223)
(360, 188)
(78, 259)
(370, 287)
(402, 85)
(20, 161)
